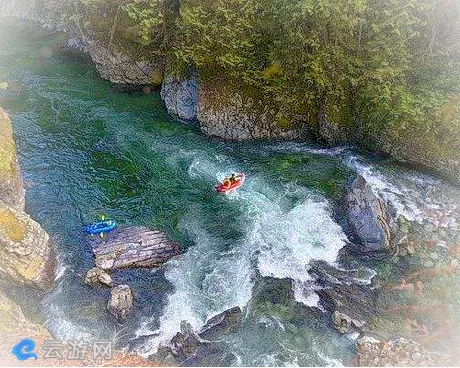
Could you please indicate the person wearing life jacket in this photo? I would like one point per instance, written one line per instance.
(229, 181)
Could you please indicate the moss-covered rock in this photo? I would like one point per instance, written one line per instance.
(11, 186)
(25, 252)
(241, 113)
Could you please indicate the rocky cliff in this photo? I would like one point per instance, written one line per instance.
(220, 108)
(226, 111)
(26, 256)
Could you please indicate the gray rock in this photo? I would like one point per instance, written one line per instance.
(26, 256)
(12, 191)
(233, 114)
(120, 67)
(397, 352)
(121, 302)
(97, 276)
(370, 222)
(223, 323)
(351, 305)
(181, 97)
(187, 348)
(136, 246)
(344, 324)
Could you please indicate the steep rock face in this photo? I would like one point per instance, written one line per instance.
(230, 114)
(25, 253)
(112, 64)
(120, 67)
(181, 97)
(331, 132)
(225, 112)
(370, 222)
(11, 186)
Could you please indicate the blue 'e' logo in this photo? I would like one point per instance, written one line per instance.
(25, 349)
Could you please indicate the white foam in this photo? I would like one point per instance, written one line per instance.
(415, 196)
(292, 147)
(280, 240)
(206, 282)
(289, 241)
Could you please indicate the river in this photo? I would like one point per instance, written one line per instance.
(86, 150)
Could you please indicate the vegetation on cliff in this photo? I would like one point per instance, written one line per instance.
(383, 73)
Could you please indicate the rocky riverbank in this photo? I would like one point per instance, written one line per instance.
(222, 108)
(411, 265)
(26, 255)
(27, 258)
(132, 247)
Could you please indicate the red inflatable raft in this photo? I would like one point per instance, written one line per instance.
(227, 187)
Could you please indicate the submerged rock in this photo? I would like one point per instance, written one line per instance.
(97, 276)
(121, 302)
(343, 323)
(136, 246)
(187, 348)
(397, 352)
(225, 322)
(371, 225)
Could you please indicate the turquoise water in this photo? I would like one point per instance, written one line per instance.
(86, 150)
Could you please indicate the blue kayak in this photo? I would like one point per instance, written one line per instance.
(100, 227)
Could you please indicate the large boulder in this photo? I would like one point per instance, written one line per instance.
(398, 352)
(238, 114)
(181, 97)
(96, 276)
(121, 302)
(136, 246)
(25, 253)
(371, 225)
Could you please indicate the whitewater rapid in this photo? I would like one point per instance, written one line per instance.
(285, 227)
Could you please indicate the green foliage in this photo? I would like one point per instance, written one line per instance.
(388, 70)
(149, 16)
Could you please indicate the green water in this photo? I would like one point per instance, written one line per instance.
(86, 150)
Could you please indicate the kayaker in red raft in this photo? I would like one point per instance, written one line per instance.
(230, 183)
